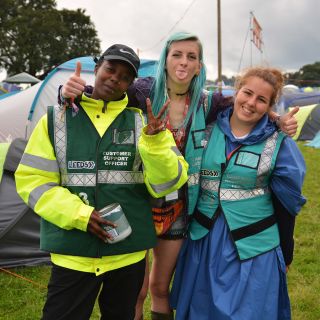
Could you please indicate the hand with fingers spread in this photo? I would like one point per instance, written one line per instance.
(75, 84)
(95, 226)
(288, 123)
(156, 123)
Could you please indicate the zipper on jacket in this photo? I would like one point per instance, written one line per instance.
(96, 187)
(104, 106)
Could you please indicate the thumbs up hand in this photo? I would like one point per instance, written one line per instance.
(288, 123)
(75, 84)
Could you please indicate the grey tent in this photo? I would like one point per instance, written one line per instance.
(19, 225)
(22, 77)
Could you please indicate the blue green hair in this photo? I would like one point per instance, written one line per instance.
(159, 88)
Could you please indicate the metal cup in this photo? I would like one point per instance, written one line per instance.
(115, 214)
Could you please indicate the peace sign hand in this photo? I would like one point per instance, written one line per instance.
(156, 124)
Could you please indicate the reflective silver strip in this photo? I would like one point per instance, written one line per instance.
(139, 126)
(104, 176)
(60, 141)
(176, 151)
(234, 194)
(120, 177)
(158, 188)
(36, 193)
(193, 179)
(266, 159)
(40, 163)
(79, 179)
(210, 185)
(205, 102)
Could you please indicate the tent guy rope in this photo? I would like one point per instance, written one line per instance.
(23, 278)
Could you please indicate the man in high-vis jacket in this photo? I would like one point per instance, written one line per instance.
(81, 158)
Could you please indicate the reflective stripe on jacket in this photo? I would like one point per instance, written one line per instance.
(195, 145)
(240, 188)
(110, 164)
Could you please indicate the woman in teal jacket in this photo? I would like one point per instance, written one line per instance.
(231, 266)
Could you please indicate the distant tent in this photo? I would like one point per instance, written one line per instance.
(2, 90)
(148, 68)
(19, 113)
(291, 88)
(315, 142)
(22, 77)
(10, 87)
(292, 98)
(19, 225)
(308, 119)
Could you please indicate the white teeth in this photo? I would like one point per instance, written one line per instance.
(247, 110)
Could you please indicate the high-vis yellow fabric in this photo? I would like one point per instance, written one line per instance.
(162, 146)
(38, 179)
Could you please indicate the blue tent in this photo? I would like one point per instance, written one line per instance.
(315, 142)
(20, 112)
(147, 69)
(291, 99)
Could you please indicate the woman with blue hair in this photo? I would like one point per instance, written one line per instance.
(180, 77)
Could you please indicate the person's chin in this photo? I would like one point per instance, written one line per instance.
(113, 97)
(109, 95)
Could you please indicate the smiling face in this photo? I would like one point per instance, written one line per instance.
(113, 77)
(182, 62)
(252, 102)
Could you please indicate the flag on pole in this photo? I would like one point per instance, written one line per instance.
(256, 33)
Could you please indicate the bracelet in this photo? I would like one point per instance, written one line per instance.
(277, 121)
(61, 99)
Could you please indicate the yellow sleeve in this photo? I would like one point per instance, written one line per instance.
(165, 169)
(38, 184)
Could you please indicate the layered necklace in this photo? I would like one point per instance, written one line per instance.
(179, 131)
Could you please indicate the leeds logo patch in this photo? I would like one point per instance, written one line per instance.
(210, 173)
(81, 165)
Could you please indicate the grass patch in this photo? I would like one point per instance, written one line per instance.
(20, 299)
(304, 274)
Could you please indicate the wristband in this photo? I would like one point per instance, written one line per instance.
(277, 121)
(61, 99)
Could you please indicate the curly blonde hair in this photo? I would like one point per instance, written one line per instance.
(272, 76)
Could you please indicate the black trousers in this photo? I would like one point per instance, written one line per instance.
(72, 294)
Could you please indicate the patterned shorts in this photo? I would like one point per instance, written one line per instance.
(178, 230)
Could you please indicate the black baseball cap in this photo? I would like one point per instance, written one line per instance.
(123, 53)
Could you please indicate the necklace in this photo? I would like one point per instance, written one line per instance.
(179, 131)
(180, 94)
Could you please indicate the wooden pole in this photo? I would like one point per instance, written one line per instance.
(251, 41)
(219, 47)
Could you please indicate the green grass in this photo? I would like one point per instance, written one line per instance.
(22, 300)
(304, 274)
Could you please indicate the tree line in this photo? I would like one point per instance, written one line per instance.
(36, 36)
(307, 76)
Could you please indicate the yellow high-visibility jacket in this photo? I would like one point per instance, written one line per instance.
(165, 170)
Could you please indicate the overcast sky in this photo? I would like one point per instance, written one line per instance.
(290, 28)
